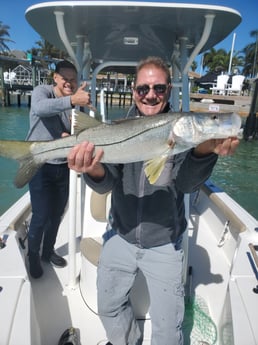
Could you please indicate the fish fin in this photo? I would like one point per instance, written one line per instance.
(20, 151)
(27, 169)
(154, 167)
(83, 121)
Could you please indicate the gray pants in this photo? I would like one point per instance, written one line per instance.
(162, 267)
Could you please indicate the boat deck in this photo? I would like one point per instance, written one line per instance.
(205, 292)
(64, 306)
(219, 279)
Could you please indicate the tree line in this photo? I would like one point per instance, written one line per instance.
(245, 60)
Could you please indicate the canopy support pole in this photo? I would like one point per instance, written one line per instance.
(209, 19)
(176, 86)
(82, 62)
(185, 86)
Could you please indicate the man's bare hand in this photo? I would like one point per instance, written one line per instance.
(81, 97)
(83, 159)
(222, 147)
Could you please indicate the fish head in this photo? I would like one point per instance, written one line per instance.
(194, 129)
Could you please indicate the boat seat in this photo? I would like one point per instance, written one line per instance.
(90, 251)
(99, 206)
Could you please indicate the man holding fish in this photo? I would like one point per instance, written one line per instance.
(146, 221)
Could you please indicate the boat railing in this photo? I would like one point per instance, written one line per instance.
(17, 214)
(229, 214)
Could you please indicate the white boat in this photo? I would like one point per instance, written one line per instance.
(221, 240)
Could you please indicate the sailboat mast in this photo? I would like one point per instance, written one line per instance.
(231, 53)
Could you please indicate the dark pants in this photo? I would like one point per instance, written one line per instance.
(49, 190)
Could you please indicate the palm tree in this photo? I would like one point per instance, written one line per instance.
(4, 37)
(251, 56)
(46, 51)
(218, 60)
(214, 60)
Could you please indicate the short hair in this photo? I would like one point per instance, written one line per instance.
(64, 64)
(155, 61)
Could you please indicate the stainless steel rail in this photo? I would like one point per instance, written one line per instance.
(253, 249)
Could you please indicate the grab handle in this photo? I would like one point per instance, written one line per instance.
(253, 249)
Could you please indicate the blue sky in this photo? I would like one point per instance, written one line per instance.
(25, 37)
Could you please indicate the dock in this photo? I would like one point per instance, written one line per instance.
(220, 103)
(18, 94)
(120, 98)
(15, 93)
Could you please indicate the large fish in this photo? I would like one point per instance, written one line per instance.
(147, 138)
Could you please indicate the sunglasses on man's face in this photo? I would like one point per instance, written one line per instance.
(143, 90)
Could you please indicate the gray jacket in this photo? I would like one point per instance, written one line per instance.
(152, 215)
(50, 116)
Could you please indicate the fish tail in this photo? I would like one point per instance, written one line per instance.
(20, 151)
(154, 167)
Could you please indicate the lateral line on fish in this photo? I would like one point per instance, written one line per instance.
(113, 142)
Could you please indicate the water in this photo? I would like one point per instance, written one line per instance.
(14, 124)
(237, 175)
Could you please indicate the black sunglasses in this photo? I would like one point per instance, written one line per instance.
(143, 90)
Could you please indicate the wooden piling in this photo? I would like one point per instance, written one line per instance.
(19, 99)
